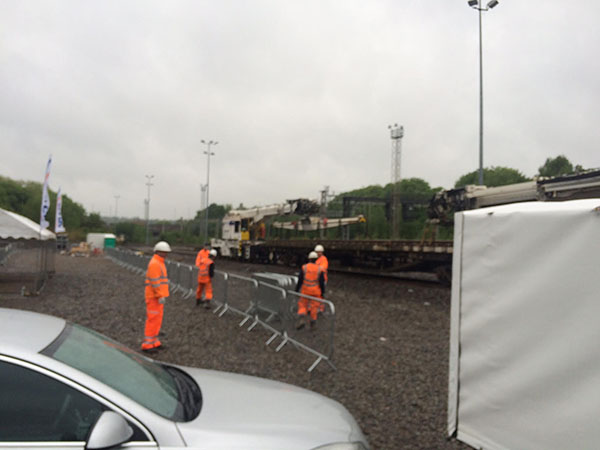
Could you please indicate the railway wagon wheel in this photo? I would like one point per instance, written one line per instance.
(444, 274)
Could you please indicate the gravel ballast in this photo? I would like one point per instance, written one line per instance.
(391, 342)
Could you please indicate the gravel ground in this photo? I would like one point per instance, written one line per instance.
(391, 342)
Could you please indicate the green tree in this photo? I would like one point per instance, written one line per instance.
(25, 198)
(554, 167)
(94, 223)
(414, 195)
(494, 176)
(132, 232)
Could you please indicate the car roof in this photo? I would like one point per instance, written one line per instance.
(26, 331)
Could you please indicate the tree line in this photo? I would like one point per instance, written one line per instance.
(411, 194)
(25, 198)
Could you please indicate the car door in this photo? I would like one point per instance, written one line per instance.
(40, 409)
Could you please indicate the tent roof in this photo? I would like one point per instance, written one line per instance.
(15, 226)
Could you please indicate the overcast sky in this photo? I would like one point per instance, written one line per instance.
(298, 94)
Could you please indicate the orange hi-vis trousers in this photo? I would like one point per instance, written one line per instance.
(206, 288)
(307, 305)
(154, 317)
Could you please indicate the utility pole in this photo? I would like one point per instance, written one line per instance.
(148, 183)
(208, 154)
(396, 133)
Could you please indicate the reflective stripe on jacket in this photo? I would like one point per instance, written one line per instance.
(312, 280)
(157, 283)
(204, 272)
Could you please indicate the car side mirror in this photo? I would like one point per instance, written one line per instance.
(110, 430)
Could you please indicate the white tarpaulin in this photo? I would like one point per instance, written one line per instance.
(525, 331)
(15, 226)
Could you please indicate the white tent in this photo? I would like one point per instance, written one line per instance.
(15, 226)
(524, 367)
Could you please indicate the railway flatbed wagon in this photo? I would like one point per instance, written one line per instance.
(370, 256)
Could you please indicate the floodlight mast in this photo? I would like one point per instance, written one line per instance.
(147, 201)
(396, 133)
(476, 5)
(208, 154)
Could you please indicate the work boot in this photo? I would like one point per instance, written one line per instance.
(198, 301)
(207, 304)
(313, 324)
(149, 351)
(301, 322)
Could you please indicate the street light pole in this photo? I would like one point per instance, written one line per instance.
(208, 154)
(476, 5)
(148, 183)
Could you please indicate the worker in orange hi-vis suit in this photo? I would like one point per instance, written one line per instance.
(311, 281)
(157, 291)
(322, 260)
(206, 271)
(324, 263)
(203, 253)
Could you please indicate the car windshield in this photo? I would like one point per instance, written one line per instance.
(164, 390)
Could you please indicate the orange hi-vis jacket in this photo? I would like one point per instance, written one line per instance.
(324, 264)
(157, 283)
(310, 283)
(204, 270)
(202, 254)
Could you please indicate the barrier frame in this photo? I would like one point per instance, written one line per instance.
(321, 356)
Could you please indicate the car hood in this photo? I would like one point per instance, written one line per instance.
(245, 412)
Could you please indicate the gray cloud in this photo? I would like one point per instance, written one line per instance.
(298, 94)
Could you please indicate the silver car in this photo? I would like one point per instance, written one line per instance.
(65, 386)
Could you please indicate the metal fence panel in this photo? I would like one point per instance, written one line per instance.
(319, 339)
(271, 309)
(241, 294)
(25, 266)
(189, 280)
(278, 279)
(220, 284)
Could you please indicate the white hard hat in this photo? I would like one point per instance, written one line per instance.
(313, 255)
(213, 252)
(319, 248)
(162, 246)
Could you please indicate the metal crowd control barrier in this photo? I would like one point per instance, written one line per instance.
(271, 309)
(267, 300)
(240, 296)
(7, 250)
(278, 279)
(182, 278)
(220, 289)
(318, 340)
(189, 280)
(179, 279)
(173, 273)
